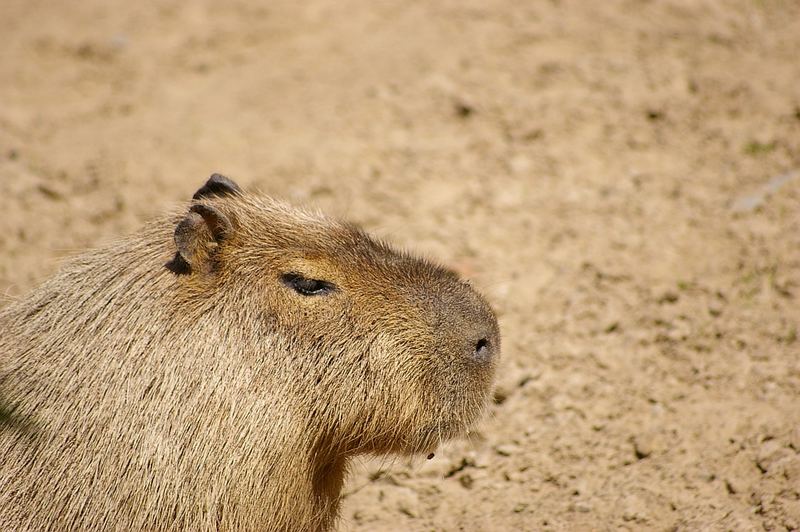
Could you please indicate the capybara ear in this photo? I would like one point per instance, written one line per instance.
(197, 236)
(217, 185)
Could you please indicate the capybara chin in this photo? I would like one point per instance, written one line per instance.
(218, 369)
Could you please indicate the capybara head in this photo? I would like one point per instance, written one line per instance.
(396, 354)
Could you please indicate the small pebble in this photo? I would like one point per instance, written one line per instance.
(770, 453)
(643, 446)
(794, 440)
(582, 507)
(506, 449)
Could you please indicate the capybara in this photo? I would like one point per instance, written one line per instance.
(218, 369)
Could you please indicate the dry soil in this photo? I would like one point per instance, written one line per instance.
(619, 177)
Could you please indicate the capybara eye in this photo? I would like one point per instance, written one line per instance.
(305, 286)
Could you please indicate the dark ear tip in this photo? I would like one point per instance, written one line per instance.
(217, 185)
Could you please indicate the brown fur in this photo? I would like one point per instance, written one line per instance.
(209, 395)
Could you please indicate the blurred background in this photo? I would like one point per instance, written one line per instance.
(620, 178)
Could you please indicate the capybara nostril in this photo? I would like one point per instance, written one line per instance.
(483, 350)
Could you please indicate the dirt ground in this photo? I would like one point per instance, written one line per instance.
(619, 177)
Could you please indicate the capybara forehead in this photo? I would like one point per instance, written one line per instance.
(287, 237)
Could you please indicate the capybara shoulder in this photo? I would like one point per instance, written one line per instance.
(218, 369)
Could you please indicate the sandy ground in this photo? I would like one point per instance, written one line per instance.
(616, 176)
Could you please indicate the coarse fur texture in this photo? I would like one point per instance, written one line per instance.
(175, 381)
